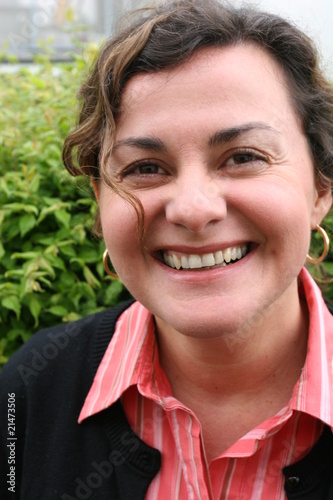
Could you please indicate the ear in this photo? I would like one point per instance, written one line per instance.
(95, 185)
(322, 205)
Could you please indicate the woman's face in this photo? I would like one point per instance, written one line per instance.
(217, 156)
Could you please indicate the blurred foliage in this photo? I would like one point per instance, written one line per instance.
(50, 263)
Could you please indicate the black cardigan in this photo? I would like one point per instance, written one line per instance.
(102, 458)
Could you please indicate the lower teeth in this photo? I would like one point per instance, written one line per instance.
(223, 264)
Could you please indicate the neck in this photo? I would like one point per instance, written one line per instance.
(266, 359)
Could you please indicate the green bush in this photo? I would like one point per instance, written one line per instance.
(50, 263)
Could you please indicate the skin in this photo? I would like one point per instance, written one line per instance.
(232, 337)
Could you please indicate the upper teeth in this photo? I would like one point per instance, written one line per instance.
(195, 261)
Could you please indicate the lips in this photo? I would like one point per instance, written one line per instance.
(177, 260)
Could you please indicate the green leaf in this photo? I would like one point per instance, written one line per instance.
(27, 222)
(46, 282)
(20, 207)
(63, 217)
(72, 316)
(14, 272)
(2, 250)
(67, 279)
(2, 215)
(67, 250)
(34, 184)
(38, 82)
(57, 311)
(14, 334)
(113, 292)
(70, 15)
(35, 309)
(89, 254)
(26, 336)
(53, 209)
(56, 262)
(90, 278)
(25, 255)
(13, 304)
(44, 264)
(13, 230)
(80, 262)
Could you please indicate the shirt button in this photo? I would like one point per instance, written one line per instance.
(293, 481)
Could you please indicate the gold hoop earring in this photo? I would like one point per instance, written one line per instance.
(106, 265)
(326, 239)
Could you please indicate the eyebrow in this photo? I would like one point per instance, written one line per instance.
(220, 137)
(227, 135)
(146, 143)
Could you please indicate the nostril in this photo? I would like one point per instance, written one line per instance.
(194, 210)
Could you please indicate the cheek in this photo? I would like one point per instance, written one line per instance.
(282, 213)
(119, 226)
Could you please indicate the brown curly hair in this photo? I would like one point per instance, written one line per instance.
(167, 35)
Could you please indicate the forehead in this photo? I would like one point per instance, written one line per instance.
(232, 77)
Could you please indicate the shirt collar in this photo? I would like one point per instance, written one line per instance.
(313, 392)
(127, 361)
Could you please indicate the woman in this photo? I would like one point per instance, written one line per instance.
(207, 134)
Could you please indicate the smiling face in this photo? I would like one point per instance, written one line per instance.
(217, 156)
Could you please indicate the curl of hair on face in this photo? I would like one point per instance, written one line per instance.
(165, 36)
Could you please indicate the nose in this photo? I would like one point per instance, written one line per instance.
(195, 202)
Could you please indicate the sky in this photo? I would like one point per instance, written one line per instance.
(315, 17)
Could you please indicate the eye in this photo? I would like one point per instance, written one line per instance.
(244, 157)
(144, 169)
(144, 174)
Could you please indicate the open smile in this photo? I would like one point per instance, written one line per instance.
(179, 261)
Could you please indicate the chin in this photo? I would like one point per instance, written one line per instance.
(202, 324)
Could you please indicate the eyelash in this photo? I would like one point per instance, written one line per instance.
(256, 157)
(248, 152)
(145, 163)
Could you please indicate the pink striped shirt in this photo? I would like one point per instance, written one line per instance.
(252, 467)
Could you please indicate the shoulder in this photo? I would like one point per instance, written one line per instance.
(66, 350)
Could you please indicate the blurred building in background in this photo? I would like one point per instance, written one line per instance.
(26, 24)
